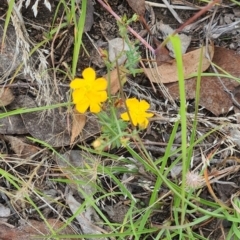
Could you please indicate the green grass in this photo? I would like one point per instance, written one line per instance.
(185, 202)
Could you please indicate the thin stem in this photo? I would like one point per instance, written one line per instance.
(109, 9)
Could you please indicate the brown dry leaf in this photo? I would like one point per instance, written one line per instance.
(212, 95)
(138, 6)
(32, 229)
(114, 80)
(168, 71)
(21, 148)
(162, 54)
(6, 97)
(78, 123)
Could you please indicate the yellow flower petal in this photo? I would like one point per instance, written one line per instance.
(143, 105)
(77, 83)
(78, 95)
(89, 91)
(125, 116)
(134, 119)
(89, 74)
(144, 124)
(137, 110)
(82, 106)
(102, 96)
(95, 108)
(149, 115)
(132, 103)
(100, 84)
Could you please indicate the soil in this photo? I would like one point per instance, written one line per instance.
(21, 156)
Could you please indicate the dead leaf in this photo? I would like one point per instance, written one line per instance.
(138, 6)
(212, 95)
(162, 53)
(168, 71)
(78, 123)
(21, 148)
(114, 79)
(6, 97)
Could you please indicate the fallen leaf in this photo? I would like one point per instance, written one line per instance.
(21, 148)
(78, 123)
(162, 53)
(138, 6)
(212, 95)
(167, 72)
(114, 79)
(6, 97)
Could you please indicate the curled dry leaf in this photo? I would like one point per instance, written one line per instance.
(138, 6)
(6, 97)
(78, 123)
(21, 148)
(167, 72)
(161, 54)
(114, 79)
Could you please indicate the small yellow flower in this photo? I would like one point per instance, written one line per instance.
(137, 110)
(89, 91)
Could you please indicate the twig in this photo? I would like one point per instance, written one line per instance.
(173, 6)
(109, 9)
(197, 15)
(190, 20)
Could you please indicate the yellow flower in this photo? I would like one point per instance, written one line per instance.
(89, 91)
(137, 110)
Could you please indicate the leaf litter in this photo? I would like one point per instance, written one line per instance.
(60, 129)
(213, 95)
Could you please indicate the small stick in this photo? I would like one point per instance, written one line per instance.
(109, 9)
(189, 21)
